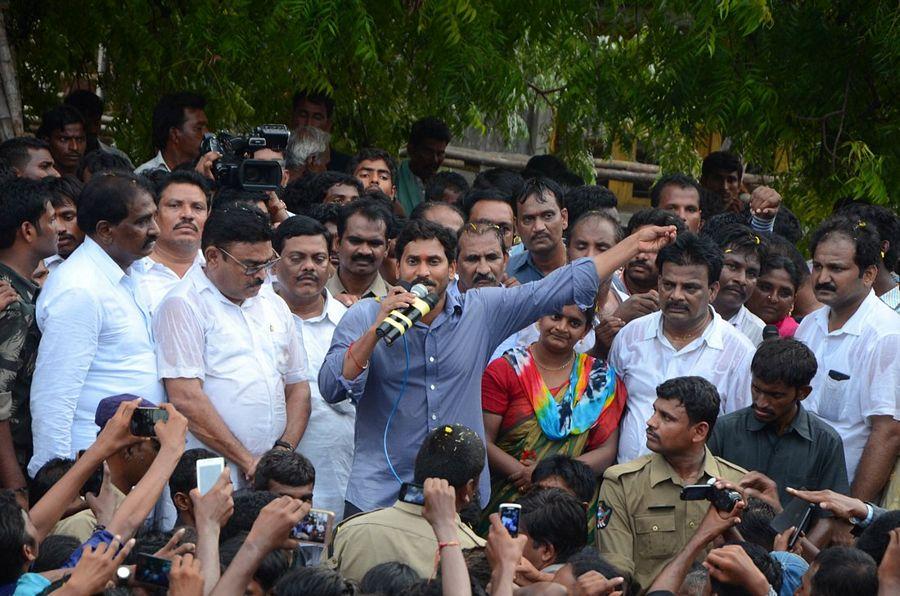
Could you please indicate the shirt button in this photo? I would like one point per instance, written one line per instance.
(655, 528)
(691, 524)
(434, 416)
(431, 359)
(432, 387)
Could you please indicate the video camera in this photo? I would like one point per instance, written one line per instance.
(722, 499)
(234, 169)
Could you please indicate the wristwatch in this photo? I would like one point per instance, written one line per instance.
(123, 575)
(283, 445)
(864, 522)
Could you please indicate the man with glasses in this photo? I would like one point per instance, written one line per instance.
(229, 354)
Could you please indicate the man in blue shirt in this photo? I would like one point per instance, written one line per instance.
(541, 220)
(400, 399)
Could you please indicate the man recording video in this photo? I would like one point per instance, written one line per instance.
(440, 382)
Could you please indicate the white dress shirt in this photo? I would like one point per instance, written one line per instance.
(157, 163)
(328, 440)
(243, 354)
(644, 358)
(96, 342)
(157, 280)
(52, 262)
(859, 371)
(749, 324)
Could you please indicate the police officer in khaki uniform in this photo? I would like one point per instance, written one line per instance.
(642, 521)
(454, 453)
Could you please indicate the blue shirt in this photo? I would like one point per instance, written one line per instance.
(445, 366)
(522, 267)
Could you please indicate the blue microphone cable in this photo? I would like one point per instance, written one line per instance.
(387, 424)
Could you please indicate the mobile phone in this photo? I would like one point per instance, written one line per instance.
(696, 492)
(208, 472)
(791, 516)
(803, 527)
(509, 517)
(152, 570)
(414, 494)
(144, 419)
(315, 528)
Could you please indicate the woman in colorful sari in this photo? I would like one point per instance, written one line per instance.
(546, 400)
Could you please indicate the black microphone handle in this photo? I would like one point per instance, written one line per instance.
(389, 333)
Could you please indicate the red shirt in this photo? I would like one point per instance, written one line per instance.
(502, 394)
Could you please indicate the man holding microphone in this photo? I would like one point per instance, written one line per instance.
(432, 375)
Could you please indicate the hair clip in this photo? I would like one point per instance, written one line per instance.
(448, 430)
(727, 250)
(860, 224)
(755, 238)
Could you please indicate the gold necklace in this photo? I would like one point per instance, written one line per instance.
(547, 368)
(693, 334)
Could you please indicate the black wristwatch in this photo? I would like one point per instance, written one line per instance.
(283, 445)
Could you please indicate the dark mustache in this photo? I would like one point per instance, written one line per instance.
(424, 281)
(256, 282)
(363, 258)
(484, 277)
(681, 305)
(312, 278)
(66, 237)
(829, 287)
(149, 241)
(188, 224)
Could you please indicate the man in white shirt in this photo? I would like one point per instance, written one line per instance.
(179, 124)
(228, 354)
(182, 209)
(686, 337)
(856, 340)
(96, 338)
(744, 252)
(302, 273)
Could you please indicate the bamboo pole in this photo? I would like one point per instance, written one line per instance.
(12, 98)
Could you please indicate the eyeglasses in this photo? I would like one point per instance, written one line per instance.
(251, 269)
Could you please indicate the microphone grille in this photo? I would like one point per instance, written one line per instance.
(419, 290)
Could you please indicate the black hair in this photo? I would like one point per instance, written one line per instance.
(373, 154)
(442, 180)
(787, 225)
(322, 213)
(320, 581)
(86, 102)
(769, 567)
(12, 537)
(452, 452)
(652, 216)
(691, 249)
(485, 194)
(54, 552)
(698, 396)
(169, 114)
(581, 199)
(317, 185)
(887, 226)
(108, 198)
(420, 229)
(191, 177)
(247, 505)
(370, 208)
(480, 230)
(227, 198)
(271, 568)
(711, 204)
(588, 559)
(775, 261)
(284, 467)
(552, 167)
(875, 538)
(57, 119)
(6, 172)
(727, 219)
(15, 151)
(863, 236)
(184, 476)
(786, 360)
(843, 570)
(575, 474)
(101, 161)
(539, 188)
(235, 224)
(316, 97)
(754, 526)
(422, 209)
(552, 516)
(147, 542)
(678, 179)
(606, 216)
(47, 475)
(388, 579)
(22, 200)
(739, 239)
(299, 225)
(721, 161)
(507, 182)
(478, 565)
(782, 247)
(428, 128)
(63, 189)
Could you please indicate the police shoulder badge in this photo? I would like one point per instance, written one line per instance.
(604, 513)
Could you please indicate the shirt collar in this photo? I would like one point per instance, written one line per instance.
(204, 284)
(712, 334)
(800, 424)
(854, 325)
(333, 310)
(660, 470)
(103, 261)
(148, 263)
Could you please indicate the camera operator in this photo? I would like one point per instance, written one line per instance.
(641, 520)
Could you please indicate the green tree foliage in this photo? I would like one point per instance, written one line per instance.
(816, 79)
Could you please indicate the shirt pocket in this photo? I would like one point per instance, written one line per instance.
(655, 536)
(832, 401)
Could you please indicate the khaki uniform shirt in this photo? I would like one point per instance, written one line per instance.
(648, 522)
(396, 533)
(378, 288)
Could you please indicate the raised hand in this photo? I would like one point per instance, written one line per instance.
(97, 567)
(653, 238)
(185, 577)
(840, 505)
(440, 508)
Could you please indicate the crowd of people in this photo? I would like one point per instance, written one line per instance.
(671, 402)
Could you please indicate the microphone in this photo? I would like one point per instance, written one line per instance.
(399, 321)
(770, 332)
